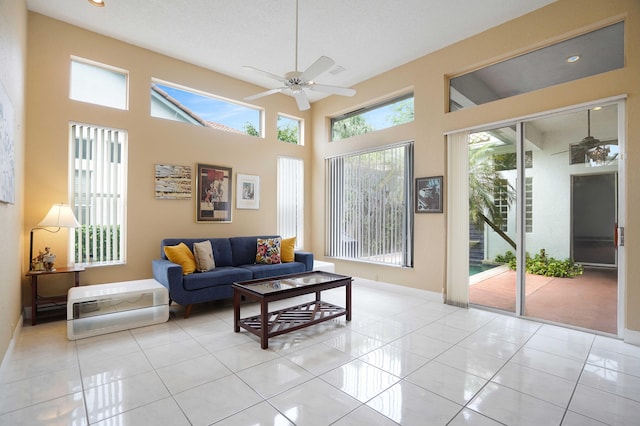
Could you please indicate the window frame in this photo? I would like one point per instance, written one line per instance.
(300, 122)
(104, 67)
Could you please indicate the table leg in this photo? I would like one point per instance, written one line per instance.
(264, 324)
(77, 279)
(34, 295)
(348, 290)
(236, 311)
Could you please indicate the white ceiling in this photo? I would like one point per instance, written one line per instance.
(365, 37)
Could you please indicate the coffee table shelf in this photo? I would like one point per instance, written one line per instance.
(293, 318)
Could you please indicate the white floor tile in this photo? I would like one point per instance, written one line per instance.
(605, 407)
(539, 384)
(409, 404)
(261, 414)
(611, 381)
(214, 401)
(360, 380)
(192, 372)
(514, 408)
(453, 384)
(307, 404)
(274, 377)
(395, 360)
(406, 358)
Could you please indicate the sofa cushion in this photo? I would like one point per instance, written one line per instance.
(268, 251)
(274, 270)
(181, 254)
(221, 275)
(287, 249)
(203, 253)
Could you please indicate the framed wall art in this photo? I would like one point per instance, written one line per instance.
(7, 166)
(214, 201)
(247, 191)
(173, 182)
(429, 195)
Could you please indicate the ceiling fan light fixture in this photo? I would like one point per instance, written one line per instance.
(97, 3)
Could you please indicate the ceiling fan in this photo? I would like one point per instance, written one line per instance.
(589, 146)
(295, 82)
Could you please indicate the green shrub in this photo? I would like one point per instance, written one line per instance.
(541, 264)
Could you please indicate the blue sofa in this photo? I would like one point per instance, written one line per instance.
(235, 261)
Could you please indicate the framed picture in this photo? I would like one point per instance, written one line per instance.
(429, 194)
(173, 182)
(247, 191)
(214, 200)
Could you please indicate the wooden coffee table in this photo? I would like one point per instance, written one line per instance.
(296, 317)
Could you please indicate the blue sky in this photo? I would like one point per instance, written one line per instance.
(211, 109)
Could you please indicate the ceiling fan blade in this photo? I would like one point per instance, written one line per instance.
(267, 93)
(321, 65)
(264, 73)
(335, 90)
(302, 100)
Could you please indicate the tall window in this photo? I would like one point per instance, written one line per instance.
(376, 117)
(370, 208)
(291, 199)
(98, 170)
(98, 84)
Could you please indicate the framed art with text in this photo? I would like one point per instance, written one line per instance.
(214, 201)
(429, 195)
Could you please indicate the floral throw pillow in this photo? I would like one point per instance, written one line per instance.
(268, 251)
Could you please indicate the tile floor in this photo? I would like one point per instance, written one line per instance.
(404, 359)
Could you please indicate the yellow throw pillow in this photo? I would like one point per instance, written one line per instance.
(287, 246)
(181, 255)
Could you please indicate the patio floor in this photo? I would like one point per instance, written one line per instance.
(587, 301)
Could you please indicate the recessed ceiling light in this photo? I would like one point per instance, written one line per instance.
(98, 3)
(598, 108)
(574, 58)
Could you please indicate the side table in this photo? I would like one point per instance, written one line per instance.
(37, 300)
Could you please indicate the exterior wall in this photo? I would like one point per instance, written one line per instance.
(150, 140)
(427, 77)
(13, 64)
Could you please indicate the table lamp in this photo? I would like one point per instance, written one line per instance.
(59, 216)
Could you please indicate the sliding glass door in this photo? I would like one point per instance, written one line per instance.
(544, 216)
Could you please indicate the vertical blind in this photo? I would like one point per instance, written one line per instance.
(370, 205)
(98, 183)
(291, 199)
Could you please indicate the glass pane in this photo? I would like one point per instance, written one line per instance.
(289, 130)
(492, 218)
(588, 54)
(189, 106)
(571, 271)
(98, 85)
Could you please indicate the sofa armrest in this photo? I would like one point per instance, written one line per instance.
(168, 274)
(305, 257)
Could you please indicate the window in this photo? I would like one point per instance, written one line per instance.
(290, 130)
(502, 200)
(381, 116)
(98, 170)
(173, 102)
(370, 205)
(291, 199)
(528, 204)
(98, 84)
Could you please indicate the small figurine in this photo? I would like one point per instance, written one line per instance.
(48, 259)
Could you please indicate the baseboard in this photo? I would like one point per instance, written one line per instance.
(16, 335)
(632, 337)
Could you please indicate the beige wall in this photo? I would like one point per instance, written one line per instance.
(151, 141)
(13, 63)
(428, 76)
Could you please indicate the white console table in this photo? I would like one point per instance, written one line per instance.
(105, 308)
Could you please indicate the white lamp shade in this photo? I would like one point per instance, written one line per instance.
(60, 216)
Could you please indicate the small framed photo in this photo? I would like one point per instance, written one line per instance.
(429, 194)
(247, 191)
(214, 201)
